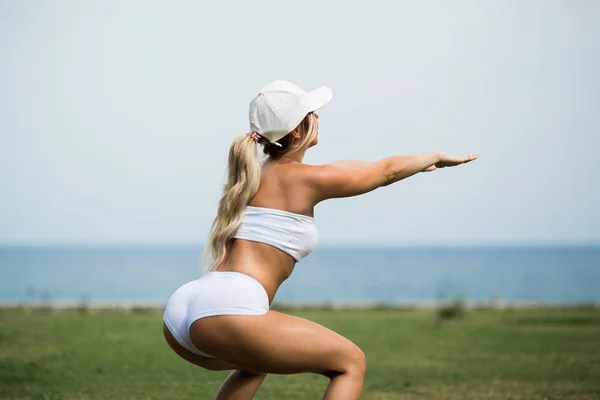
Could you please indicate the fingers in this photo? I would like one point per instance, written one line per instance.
(471, 157)
(451, 161)
(454, 161)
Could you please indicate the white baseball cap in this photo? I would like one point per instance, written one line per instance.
(280, 107)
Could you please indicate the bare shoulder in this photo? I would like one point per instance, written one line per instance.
(316, 175)
(330, 181)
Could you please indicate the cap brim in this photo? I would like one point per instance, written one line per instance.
(318, 98)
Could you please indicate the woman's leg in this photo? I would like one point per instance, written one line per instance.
(283, 344)
(210, 363)
(240, 385)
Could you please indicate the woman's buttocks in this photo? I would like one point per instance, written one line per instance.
(228, 291)
(215, 293)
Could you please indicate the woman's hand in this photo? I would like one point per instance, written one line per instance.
(447, 160)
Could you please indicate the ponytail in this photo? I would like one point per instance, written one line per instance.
(243, 179)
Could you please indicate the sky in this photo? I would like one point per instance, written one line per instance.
(116, 117)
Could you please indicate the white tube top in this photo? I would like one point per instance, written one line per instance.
(295, 234)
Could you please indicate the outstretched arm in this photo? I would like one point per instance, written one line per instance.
(351, 164)
(356, 164)
(331, 181)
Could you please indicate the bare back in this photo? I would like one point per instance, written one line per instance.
(284, 187)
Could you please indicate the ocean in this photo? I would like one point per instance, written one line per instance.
(330, 275)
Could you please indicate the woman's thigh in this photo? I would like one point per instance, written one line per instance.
(213, 364)
(275, 343)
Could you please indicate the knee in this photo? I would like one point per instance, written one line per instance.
(352, 362)
(357, 362)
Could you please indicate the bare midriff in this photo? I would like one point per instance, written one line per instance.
(267, 264)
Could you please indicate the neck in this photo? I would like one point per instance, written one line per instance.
(297, 157)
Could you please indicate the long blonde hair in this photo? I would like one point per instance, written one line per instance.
(244, 172)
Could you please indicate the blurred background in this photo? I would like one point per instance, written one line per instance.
(116, 119)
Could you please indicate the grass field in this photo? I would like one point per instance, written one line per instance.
(525, 354)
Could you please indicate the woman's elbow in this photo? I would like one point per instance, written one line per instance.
(388, 174)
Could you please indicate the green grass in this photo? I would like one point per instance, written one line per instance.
(79, 354)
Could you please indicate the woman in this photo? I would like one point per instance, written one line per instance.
(264, 225)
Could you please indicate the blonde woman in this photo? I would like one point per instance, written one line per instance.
(264, 225)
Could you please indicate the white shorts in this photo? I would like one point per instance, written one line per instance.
(215, 293)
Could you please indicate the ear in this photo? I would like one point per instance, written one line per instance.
(295, 133)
